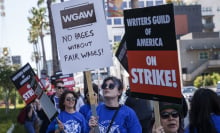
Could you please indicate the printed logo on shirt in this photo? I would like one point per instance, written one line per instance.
(103, 127)
(72, 126)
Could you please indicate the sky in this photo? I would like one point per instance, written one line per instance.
(14, 30)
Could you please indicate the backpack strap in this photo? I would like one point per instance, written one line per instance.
(116, 112)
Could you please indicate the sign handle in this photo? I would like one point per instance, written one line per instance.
(93, 101)
(157, 113)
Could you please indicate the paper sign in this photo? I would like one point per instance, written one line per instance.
(81, 35)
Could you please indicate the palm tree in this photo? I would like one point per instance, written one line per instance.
(39, 28)
(56, 66)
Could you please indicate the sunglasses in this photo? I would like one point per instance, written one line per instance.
(60, 87)
(93, 94)
(166, 115)
(70, 99)
(110, 86)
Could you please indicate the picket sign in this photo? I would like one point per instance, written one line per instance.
(93, 101)
(156, 113)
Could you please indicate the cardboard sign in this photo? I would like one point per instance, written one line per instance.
(26, 82)
(81, 35)
(66, 78)
(30, 88)
(121, 54)
(152, 53)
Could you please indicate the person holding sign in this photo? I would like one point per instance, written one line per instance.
(204, 112)
(113, 117)
(69, 120)
(170, 118)
(31, 118)
(85, 110)
(59, 88)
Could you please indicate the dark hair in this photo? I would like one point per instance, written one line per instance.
(62, 99)
(204, 102)
(95, 89)
(57, 82)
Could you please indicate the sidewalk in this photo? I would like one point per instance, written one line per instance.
(11, 128)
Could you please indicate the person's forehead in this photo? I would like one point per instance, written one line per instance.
(109, 81)
(69, 95)
(168, 110)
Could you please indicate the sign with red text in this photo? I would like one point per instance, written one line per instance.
(81, 35)
(152, 53)
(67, 79)
(30, 87)
(27, 83)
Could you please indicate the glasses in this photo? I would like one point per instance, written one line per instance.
(70, 99)
(60, 87)
(93, 94)
(110, 86)
(166, 115)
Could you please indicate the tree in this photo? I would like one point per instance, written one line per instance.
(207, 80)
(39, 28)
(6, 70)
(56, 66)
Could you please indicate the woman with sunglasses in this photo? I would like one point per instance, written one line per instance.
(113, 117)
(170, 119)
(204, 115)
(68, 120)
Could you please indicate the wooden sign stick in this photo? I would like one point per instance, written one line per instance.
(92, 100)
(157, 113)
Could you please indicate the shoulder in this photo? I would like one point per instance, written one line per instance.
(216, 119)
(186, 129)
(84, 107)
(52, 97)
(127, 109)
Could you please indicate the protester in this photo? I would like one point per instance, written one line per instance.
(69, 120)
(170, 118)
(85, 110)
(113, 117)
(80, 100)
(30, 119)
(142, 108)
(204, 115)
(59, 89)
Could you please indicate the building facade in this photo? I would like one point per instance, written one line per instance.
(199, 53)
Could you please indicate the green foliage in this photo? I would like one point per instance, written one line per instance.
(115, 46)
(6, 121)
(198, 82)
(6, 86)
(207, 80)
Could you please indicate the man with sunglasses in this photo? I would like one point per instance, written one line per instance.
(113, 117)
(170, 118)
(59, 89)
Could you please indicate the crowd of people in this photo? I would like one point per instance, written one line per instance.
(133, 116)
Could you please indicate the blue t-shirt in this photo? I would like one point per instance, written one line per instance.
(216, 121)
(85, 110)
(73, 123)
(125, 121)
